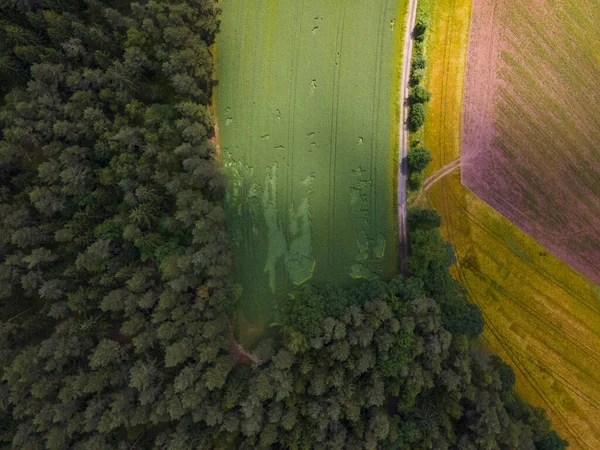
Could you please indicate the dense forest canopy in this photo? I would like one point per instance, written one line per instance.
(115, 293)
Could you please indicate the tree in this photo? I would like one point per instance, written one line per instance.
(551, 441)
(422, 218)
(416, 117)
(418, 61)
(416, 76)
(415, 181)
(418, 94)
(418, 158)
(421, 25)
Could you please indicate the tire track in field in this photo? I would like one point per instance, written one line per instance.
(403, 134)
(591, 306)
(437, 176)
(335, 106)
(374, 141)
(516, 361)
(289, 191)
(247, 244)
(529, 377)
(589, 352)
(511, 353)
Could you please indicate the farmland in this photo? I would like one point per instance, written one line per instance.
(532, 121)
(308, 135)
(541, 316)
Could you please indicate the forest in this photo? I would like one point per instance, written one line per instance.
(116, 296)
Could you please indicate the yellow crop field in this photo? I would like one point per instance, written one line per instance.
(541, 316)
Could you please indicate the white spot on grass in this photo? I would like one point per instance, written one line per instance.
(308, 180)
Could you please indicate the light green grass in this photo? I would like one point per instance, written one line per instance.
(306, 106)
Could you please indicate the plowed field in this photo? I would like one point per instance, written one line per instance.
(531, 132)
(541, 316)
(308, 133)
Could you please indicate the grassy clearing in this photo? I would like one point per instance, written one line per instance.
(307, 111)
(541, 316)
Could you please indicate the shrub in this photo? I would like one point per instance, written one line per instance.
(418, 158)
(419, 94)
(416, 117)
(421, 25)
(419, 61)
(416, 76)
(422, 218)
(415, 180)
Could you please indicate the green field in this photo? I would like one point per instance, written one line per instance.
(306, 104)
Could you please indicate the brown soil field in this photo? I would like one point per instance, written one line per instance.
(531, 121)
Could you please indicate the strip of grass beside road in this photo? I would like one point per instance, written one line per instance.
(541, 316)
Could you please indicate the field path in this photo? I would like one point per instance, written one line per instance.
(437, 176)
(403, 134)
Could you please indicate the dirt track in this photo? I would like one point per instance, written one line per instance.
(437, 176)
(403, 134)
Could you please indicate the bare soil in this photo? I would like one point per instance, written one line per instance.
(531, 121)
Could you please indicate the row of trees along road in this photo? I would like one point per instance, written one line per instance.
(115, 286)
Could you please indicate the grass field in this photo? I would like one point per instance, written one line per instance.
(307, 110)
(531, 133)
(541, 316)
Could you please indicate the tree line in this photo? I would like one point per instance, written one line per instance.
(115, 272)
(418, 156)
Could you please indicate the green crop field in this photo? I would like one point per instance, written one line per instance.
(306, 104)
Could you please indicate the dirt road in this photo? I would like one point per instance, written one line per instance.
(403, 134)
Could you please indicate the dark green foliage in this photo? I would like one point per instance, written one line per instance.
(418, 94)
(113, 247)
(551, 441)
(415, 180)
(416, 117)
(418, 61)
(306, 310)
(505, 372)
(430, 257)
(462, 317)
(422, 218)
(421, 25)
(416, 76)
(418, 158)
